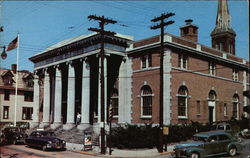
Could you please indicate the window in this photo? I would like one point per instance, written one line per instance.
(182, 61)
(221, 47)
(235, 75)
(198, 104)
(230, 49)
(212, 95)
(146, 101)
(225, 109)
(30, 82)
(28, 96)
(143, 62)
(7, 80)
(212, 68)
(6, 94)
(182, 102)
(146, 61)
(223, 137)
(27, 113)
(5, 112)
(114, 101)
(235, 106)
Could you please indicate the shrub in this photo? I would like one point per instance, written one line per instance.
(147, 136)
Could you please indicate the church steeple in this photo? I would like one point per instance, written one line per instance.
(223, 36)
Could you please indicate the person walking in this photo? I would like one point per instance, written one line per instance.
(78, 119)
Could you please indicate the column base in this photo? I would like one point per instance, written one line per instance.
(55, 125)
(68, 126)
(83, 126)
(44, 125)
(34, 125)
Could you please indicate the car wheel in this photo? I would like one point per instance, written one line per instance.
(44, 147)
(194, 155)
(232, 151)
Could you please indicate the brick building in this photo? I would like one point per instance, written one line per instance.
(24, 108)
(201, 83)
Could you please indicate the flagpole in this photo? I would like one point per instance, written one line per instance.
(17, 57)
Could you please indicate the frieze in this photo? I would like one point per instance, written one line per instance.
(71, 54)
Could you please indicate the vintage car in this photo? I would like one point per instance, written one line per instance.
(13, 135)
(206, 144)
(45, 140)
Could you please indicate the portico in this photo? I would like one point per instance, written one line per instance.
(69, 72)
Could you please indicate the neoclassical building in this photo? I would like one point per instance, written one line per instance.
(201, 83)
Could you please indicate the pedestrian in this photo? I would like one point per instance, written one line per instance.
(78, 119)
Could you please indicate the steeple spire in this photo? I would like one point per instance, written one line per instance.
(223, 19)
(223, 36)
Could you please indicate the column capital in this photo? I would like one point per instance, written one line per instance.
(69, 63)
(84, 59)
(58, 66)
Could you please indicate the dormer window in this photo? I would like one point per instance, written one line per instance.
(7, 77)
(28, 79)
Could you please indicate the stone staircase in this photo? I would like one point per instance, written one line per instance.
(73, 135)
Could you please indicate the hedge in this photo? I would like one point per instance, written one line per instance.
(146, 136)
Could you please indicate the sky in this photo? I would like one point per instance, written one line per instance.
(41, 24)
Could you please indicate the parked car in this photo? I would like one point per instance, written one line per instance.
(205, 144)
(224, 126)
(13, 135)
(45, 140)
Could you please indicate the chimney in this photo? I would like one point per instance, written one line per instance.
(189, 31)
(13, 68)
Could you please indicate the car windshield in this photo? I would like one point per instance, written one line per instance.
(220, 127)
(14, 129)
(47, 134)
(198, 138)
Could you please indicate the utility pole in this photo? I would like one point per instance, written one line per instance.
(102, 21)
(161, 26)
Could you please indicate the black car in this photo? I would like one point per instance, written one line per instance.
(45, 140)
(13, 135)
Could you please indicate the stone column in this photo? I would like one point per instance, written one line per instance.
(71, 98)
(85, 95)
(46, 99)
(58, 99)
(35, 116)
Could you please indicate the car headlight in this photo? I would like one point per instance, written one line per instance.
(49, 142)
(63, 142)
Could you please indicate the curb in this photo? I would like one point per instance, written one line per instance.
(167, 152)
(84, 152)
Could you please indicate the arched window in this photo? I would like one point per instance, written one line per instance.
(212, 95)
(182, 102)
(114, 101)
(146, 101)
(235, 106)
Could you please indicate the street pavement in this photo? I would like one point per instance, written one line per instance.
(76, 151)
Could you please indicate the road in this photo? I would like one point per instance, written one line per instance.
(22, 151)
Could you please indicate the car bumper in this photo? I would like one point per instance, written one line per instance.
(179, 154)
(56, 146)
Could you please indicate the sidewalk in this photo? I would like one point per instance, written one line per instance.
(121, 153)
